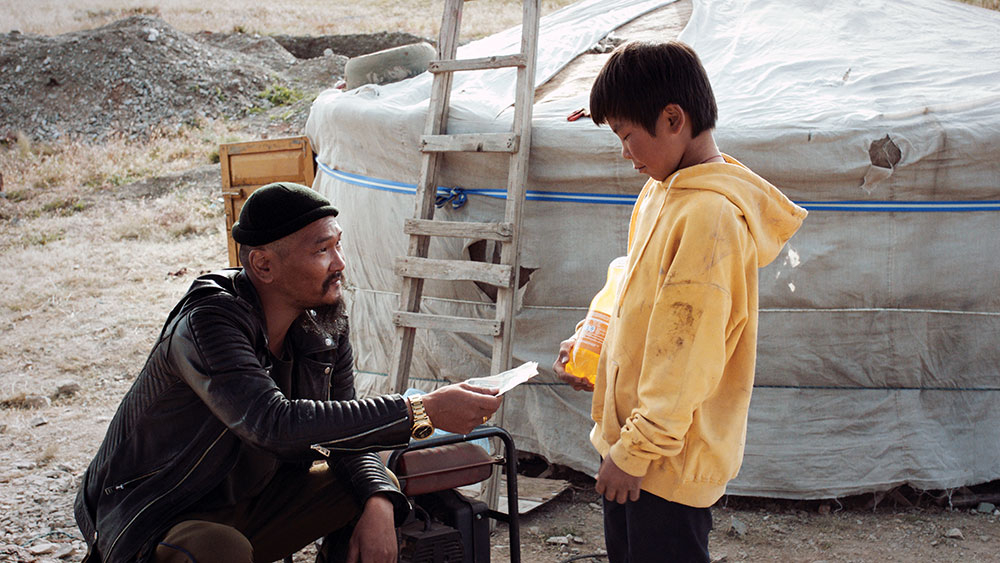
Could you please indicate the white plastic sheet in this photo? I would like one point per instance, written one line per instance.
(878, 359)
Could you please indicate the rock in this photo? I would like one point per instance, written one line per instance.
(42, 548)
(986, 507)
(824, 509)
(534, 530)
(720, 558)
(64, 552)
(38, 420)
(954, 533)
(737, 528)
(558, 540)
(36, 402)
(66, 390)
(594, 505)
(576, 539)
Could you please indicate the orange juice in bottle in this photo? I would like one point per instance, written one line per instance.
(590, 338)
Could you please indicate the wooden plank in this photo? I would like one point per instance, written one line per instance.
(268, 145)
(499, 275)
(266, 167)
(470, 142)
(483, 63)
(489, 327)
(458, 229)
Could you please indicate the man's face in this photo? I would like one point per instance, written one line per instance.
(658, 156)
(311, 264)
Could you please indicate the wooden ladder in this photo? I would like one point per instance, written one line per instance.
(416, 266)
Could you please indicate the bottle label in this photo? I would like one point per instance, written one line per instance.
(593, 331)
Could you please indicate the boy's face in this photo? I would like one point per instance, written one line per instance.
(658, 156)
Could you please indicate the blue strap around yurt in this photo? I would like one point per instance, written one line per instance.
(457, 196)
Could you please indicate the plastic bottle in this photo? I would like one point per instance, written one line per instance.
(590, 338)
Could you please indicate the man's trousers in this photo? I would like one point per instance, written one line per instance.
(296, 508)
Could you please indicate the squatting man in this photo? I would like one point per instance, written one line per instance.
(210, 456)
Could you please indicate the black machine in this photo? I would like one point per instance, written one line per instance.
(446, 526)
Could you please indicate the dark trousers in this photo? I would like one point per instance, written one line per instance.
(655, 530)
(295, 509)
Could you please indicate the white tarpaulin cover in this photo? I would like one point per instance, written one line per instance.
(878, 359)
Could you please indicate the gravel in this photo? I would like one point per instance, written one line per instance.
(139, 76)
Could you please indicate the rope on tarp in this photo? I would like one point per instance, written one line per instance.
(445, 195)
(792, 387)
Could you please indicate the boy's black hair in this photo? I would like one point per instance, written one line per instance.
(640, 79)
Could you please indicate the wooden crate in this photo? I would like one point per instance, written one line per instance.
(248, 166)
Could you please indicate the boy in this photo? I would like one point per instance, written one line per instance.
(676, 370)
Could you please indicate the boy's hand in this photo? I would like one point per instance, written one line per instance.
(615, 484)
(577, 383)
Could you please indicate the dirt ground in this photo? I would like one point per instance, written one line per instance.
(86, 282)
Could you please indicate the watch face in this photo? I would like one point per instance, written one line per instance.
(421, 432)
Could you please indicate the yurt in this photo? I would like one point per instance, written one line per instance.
(879, 347)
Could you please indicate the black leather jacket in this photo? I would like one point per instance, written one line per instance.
(206, 390)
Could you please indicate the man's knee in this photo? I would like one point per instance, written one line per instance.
(200, 541)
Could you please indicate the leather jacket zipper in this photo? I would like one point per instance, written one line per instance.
(121, 486)
(155, 500)
(326, 452)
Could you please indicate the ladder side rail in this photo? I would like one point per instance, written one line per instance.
(517, 179)
(437, 117)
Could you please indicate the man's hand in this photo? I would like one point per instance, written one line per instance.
(615, 484)
(374, 537)
(577, 383)
(460, 408)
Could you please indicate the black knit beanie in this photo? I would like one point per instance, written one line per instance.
(278, 210)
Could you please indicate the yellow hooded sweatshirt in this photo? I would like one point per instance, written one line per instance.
(677, 366)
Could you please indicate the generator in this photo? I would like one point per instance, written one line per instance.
(446, 526)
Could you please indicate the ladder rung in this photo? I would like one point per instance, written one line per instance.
(442, 322)
(500, 275)
(470, 142)
(453, 65)
(459, 229)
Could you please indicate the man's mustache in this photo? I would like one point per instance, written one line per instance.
(329, 281)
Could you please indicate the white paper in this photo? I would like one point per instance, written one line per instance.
(507, 380)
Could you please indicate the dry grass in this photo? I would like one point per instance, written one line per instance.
(88, 269)
(46, 180)
(294, 17)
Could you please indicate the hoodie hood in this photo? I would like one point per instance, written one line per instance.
(771, 217)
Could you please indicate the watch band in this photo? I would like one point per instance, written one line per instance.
(422, 427)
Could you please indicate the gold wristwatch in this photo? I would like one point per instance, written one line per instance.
(422, 427)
